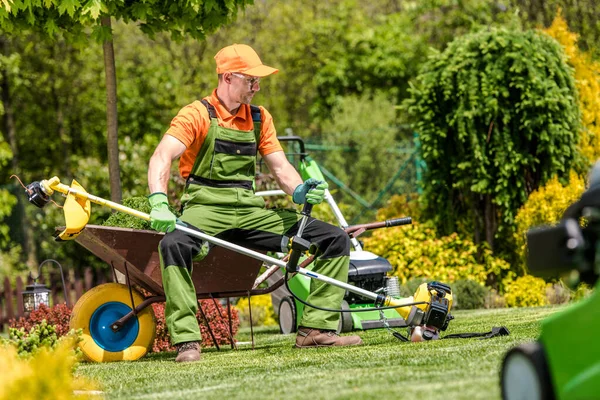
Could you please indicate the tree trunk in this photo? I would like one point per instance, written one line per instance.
(490, 221)
(112, 142)
(112, 137)
(10, 133)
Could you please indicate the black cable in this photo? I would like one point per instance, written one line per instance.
(287, 286)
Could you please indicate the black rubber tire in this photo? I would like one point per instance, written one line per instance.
(287, 315)
(525, 374)
(346, 323)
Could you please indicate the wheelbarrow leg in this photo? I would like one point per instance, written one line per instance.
(212, 335)
(251, 324)
(230, 334)
(230, 322)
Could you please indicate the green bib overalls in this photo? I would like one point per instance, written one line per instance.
(219, 199)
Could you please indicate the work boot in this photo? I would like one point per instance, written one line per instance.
(310, 337)
(188, 351)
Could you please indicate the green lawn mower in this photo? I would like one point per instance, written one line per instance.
(367, 270)
(564, 363)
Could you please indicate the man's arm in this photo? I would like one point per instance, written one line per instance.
(285, 174)
(159, 168)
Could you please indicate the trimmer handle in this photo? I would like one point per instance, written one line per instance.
(306, 209)
(298, 244)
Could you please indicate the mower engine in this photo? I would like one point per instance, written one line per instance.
(369, 271)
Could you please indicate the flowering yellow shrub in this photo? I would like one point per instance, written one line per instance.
(48, 374)
(546, 206)
(526, 291)
(416, 251)
(262, 311)
(587, 76)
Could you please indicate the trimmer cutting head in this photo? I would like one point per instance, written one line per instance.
(77, 210)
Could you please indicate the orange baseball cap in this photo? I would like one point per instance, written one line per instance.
(242, 58)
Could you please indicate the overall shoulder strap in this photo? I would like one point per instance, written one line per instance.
(212, 113)
(256, 118)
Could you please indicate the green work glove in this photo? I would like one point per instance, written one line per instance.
(161, 217)
(303, 193)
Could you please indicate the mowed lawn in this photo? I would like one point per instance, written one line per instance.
(384, 368)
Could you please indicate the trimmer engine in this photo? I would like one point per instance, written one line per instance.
(434, 311)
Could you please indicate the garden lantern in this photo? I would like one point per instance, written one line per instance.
(37, 294)
(34, 295)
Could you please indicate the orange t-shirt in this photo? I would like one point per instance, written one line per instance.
(190, 127)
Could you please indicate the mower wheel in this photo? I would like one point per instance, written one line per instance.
(287, 315)
(346, 323)
(525, 374)
(94, 313)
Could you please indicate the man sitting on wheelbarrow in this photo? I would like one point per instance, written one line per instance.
(217, 140)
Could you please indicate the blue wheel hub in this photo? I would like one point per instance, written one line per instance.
(100, 324)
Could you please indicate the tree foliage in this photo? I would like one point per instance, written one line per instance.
(195, 18)
(497, 115)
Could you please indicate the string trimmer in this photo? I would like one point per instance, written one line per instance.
(428, 308)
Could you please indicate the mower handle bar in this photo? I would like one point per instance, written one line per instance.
(380, 224)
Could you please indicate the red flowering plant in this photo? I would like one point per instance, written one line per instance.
(217, 317)
(57, 315)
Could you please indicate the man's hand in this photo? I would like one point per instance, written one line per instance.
(161, 218)
(311, 191)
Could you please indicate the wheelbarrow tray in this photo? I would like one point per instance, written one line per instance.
(134, 252)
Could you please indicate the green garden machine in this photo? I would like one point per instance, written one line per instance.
(564, 363)
(367, 270)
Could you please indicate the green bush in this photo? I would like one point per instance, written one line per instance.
(468, 294)
(497, 115)
(526, 291)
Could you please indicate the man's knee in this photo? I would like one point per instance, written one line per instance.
(176, 250)
(342, 242)
(338, 243)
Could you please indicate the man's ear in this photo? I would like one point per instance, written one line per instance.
(227, 77)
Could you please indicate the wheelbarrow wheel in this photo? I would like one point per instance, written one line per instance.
(525, 374)
(94, 313)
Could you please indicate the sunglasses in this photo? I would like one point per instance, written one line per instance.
(251, 81)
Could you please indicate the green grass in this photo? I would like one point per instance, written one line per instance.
(383, 368)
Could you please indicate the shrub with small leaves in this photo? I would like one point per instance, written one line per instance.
(57, 316)
(545, 206)
(526, 291)
(416, 251)
(39, 336)
(48, 373)
(262, 311)
(468, 294)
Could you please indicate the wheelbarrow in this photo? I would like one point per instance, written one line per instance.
(116, 321)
